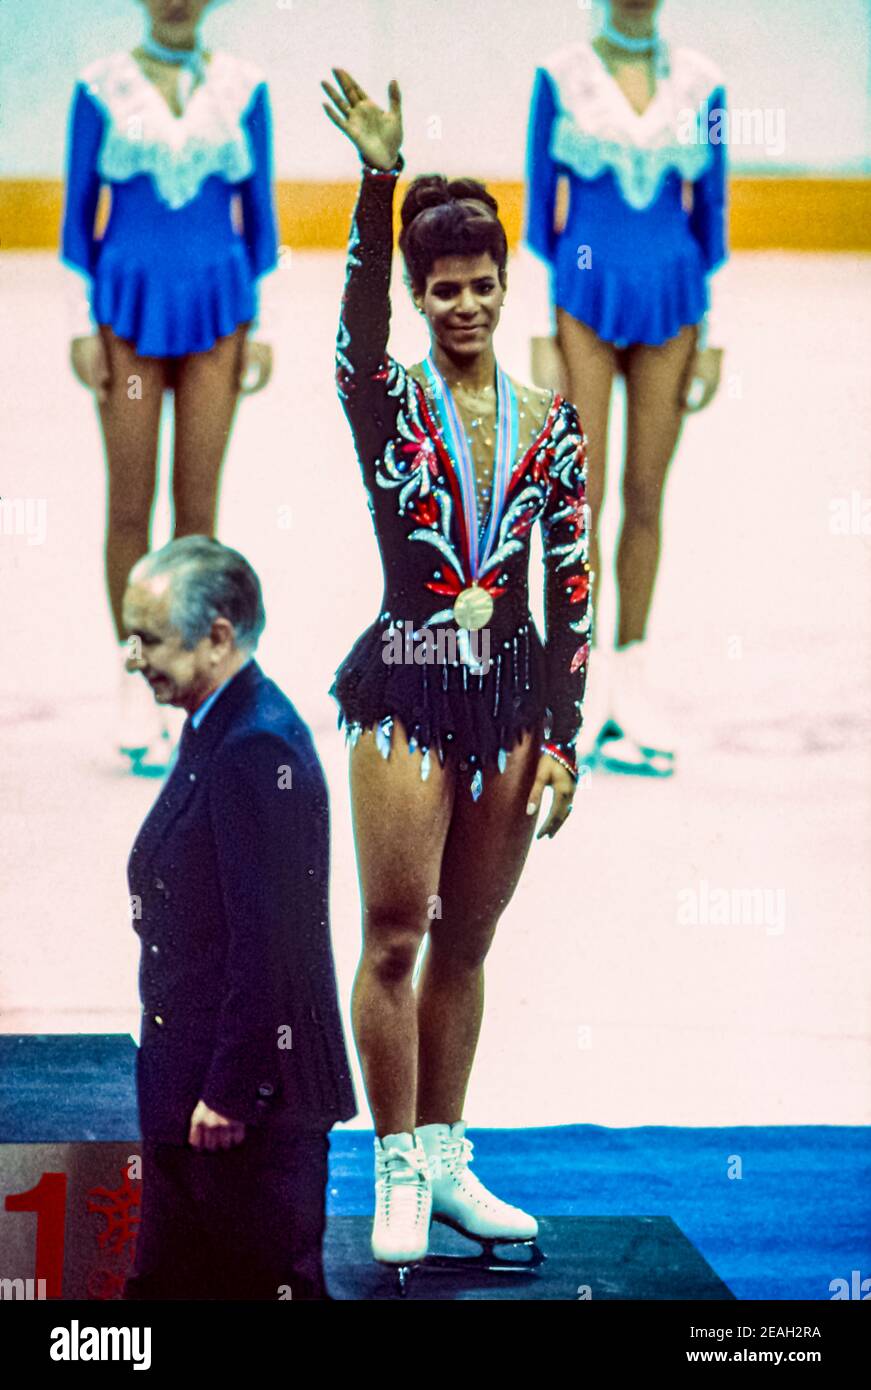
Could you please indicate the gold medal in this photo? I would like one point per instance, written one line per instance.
(473, 608)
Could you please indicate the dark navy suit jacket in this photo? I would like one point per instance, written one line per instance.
(229, 879)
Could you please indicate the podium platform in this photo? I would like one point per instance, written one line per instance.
(69, 1154)
(70, 1188)
(586, 1258)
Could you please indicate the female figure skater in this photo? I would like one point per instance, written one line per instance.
(182, 138)
(634, 128)
(449, 750)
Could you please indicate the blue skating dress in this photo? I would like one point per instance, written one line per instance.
(634, 256)
(173, 271)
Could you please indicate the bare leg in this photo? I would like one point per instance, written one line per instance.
(400, 827)
(130, 419)
(206, 395)
(654, 381)
(591, 365)
(486, 849)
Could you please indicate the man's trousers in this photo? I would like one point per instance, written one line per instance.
(238, 1224)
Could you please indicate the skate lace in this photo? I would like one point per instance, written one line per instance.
(456, 1157)
(402, 1178)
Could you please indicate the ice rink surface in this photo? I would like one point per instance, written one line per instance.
(604, 1004)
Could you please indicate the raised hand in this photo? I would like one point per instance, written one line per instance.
(376, 133)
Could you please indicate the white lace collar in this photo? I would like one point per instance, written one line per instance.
(597, 127)
(143, 136)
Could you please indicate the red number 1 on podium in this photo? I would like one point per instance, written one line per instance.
(49, 1200)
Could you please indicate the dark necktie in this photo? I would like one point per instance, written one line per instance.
(186, 744)
(188, 735)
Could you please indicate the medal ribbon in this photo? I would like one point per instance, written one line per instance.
(458, 448)
(190, 61)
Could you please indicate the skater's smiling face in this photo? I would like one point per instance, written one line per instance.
(178, 675)
(462, 302)
(175, 22)
(455, 252)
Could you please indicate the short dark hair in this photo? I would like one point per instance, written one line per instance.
(456, 217)
(208, 580)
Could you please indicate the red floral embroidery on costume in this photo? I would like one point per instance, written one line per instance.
(525, 520)
(426, 511)
(580, 657)
(423, 450)
(577, 586)
(540, 467)
(488, 582)
(453, 584)
(576, 516)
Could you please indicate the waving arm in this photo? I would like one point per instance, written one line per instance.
(364, 323)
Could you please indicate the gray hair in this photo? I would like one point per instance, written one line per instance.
(208, 580)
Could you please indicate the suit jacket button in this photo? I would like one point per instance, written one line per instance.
(158, 1020)
(266, 1089)
(159, 884)
(192, 776)
(154, 949)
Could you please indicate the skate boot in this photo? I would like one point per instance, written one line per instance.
(597, 726)
(644, 741)
(460, 1200)
(403, 1202)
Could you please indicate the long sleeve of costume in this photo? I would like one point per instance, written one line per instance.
(78, 243)
(259, 839)
(709, 217)
(258, 208)
(362, 366)
(259, 227)
(568, 579)
(542, 177)
(542, 173)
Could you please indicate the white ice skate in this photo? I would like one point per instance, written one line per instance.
(460, 1200)
(597, 707)
(644, 738)
(400, 1232)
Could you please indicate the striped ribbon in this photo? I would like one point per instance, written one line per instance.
(458, 448)
(190, 61)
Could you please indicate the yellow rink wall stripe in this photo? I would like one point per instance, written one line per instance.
(770, 213)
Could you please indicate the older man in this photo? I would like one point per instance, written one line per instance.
(242, 1068)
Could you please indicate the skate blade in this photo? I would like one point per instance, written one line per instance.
(487, 1258)
(401, 1272)
(652, 762)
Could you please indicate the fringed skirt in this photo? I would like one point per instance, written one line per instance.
(473, 718)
